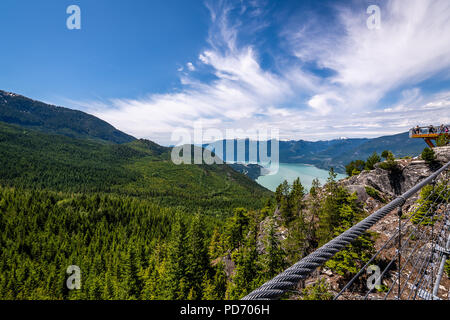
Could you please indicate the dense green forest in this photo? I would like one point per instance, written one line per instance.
(132, 248)
(30, 159)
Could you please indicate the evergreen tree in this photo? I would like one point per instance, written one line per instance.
(215, 288)
(355, 167)
(154, 277)
(235, 228)
(131, 272)
(215, 248)
(329, 211)
(428, 155)
(296, 205)
(247, 272)
(274, 257)
(176, 260)
(372, 160)
(197, 262)
(347, 262)
(428, 196)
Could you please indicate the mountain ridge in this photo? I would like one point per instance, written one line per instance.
(33, 114)
(324, 154)
(141, 168)
(335, 153)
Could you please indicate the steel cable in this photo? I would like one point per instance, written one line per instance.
(284, 281)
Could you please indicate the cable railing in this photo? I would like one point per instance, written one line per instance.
(420, 235)
(289, 279)
(391, 241)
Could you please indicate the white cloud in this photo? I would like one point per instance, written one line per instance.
(367, 64)
(408, 48)
(190, 66)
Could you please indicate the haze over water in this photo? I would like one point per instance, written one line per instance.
(292, 171)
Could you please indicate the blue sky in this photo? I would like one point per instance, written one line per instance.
(312, 69)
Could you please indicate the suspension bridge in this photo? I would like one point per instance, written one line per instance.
(417, 252)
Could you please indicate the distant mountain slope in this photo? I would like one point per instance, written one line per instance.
(31, 159)
(316, 152)
(17, 109)
(343, 151)
(339, 152)
(400, 144)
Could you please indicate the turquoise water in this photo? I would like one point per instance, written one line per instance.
(292, 171)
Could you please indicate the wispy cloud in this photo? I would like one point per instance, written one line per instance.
(408, 48)
(190, 66)
(365, 66)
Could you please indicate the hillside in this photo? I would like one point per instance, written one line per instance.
(115, 206)
(32, 159)
(20, 110)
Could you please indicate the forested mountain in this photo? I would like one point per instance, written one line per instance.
(17, 109)
(31, 159)
(114, 206)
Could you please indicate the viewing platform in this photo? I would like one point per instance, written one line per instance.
(429, 133)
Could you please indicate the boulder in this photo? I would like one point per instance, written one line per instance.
(360, 191)
(442, 154)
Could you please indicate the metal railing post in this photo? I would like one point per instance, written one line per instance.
(441, 268)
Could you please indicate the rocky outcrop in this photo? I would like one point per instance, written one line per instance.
(389, 184)
(392, 183)
(442, 154)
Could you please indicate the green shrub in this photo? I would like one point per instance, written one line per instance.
(355, 167)
(385, 154)
(317, 291)
(442, 140)
(424, 214)
(374, 194)
(372, 160)
(389, 164)
(428, 155)
(382, 288)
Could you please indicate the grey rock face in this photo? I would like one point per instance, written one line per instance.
(393, 183)
(360, 191)
(442, 154)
